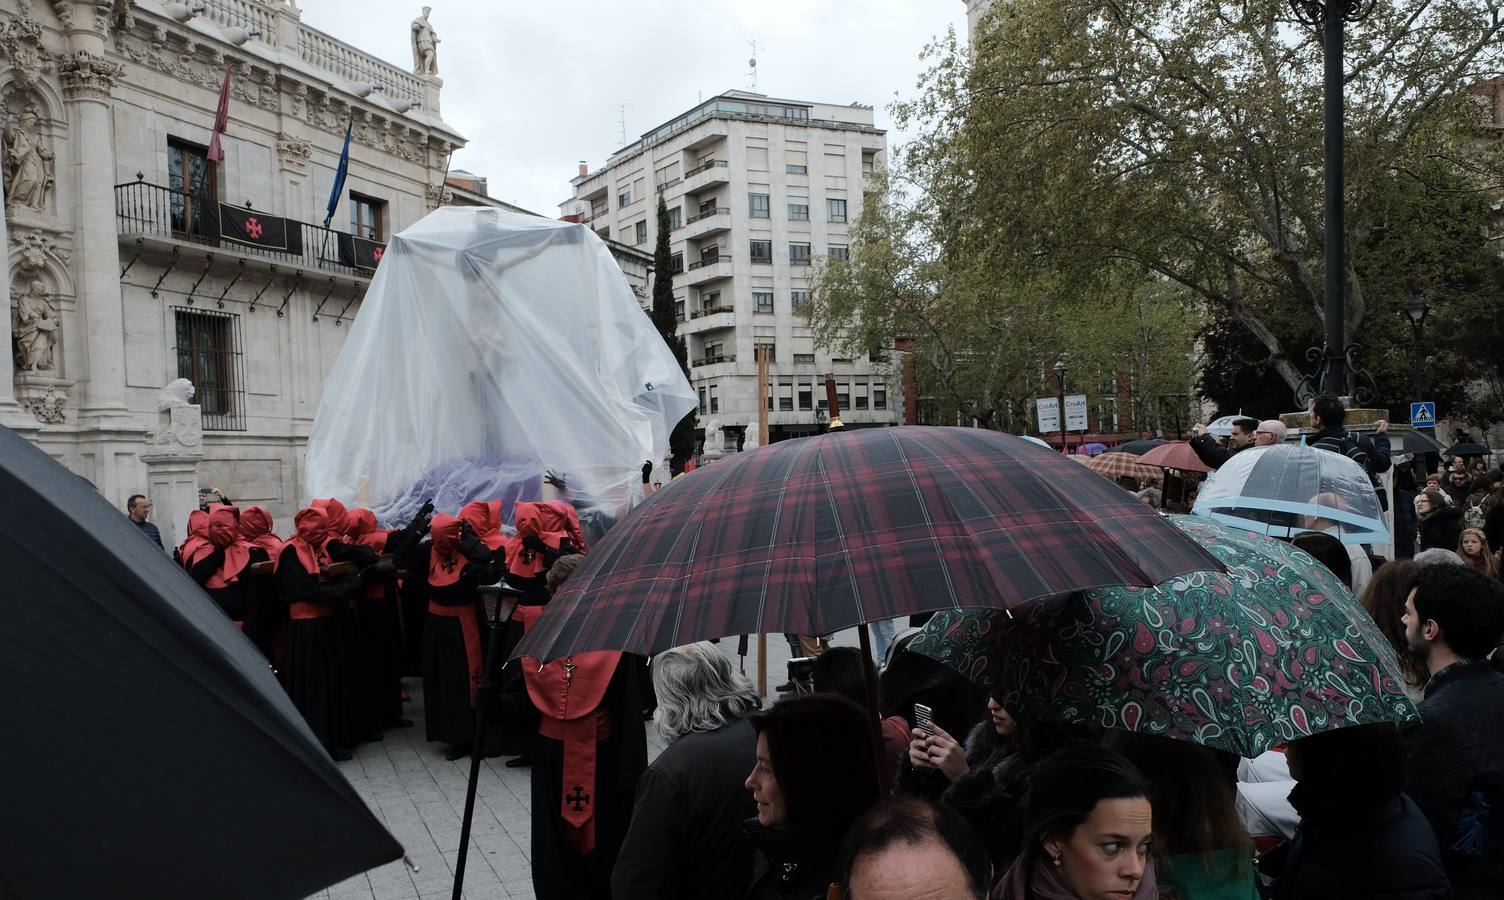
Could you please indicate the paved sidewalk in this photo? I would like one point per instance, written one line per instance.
(420, 797)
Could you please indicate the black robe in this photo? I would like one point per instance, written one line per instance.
(558, 872)
(265, 614)
(317, 671)
(448, 715)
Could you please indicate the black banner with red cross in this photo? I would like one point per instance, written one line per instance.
(360, 253)
(263, 231)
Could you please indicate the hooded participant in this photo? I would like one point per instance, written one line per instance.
(453, 654)
(218, 564)
(198, 537)
(265, 615)
(317, 677)
(378, 630)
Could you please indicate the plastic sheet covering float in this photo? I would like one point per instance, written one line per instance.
(490, 349)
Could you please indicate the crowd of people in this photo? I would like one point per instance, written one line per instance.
(942, 791)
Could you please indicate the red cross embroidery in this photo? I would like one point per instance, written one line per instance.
(377, 253)
(253, 228)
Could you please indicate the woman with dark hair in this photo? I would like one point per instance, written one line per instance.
(1204, 851)
(839, 671)
(1385, 601)
(1440, 523)
(815, 774)
(1360, 838)
(1089, 834)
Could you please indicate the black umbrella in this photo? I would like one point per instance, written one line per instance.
(1467, 449)
(1140, 446)
(149, 751)
(1414, 442)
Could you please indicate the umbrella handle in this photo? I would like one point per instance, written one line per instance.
(506, 600)
(874, 717)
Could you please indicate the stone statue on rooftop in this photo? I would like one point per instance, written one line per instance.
(425, 45)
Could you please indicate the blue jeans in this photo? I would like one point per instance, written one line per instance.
(883, 632)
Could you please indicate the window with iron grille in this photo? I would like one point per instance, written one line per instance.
(798, 254)
(762, 251)
(208, 352)
(762, 301)
(835, 209)
(757, 206)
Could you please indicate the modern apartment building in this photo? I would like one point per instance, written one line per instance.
(758, 191)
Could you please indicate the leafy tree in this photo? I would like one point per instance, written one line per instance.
(681, 440)
(1183, 139)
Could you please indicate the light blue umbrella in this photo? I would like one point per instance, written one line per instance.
(1287, 489)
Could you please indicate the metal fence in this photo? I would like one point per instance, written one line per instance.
(142, 208)
(208, 353)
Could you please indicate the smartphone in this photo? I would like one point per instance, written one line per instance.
(923, 720)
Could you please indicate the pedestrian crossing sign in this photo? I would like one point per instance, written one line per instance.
(1423, 415)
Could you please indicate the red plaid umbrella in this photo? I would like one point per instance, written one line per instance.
(1124, 465)
(815, 535)
(1175, 455)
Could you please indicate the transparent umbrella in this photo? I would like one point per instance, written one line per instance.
(1286, 489)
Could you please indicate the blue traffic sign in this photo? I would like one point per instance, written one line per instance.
(1423, 415)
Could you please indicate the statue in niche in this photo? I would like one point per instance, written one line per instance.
(425, 45)
(34, 328)
(28, 162)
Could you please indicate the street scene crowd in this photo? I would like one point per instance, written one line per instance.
(942, 789)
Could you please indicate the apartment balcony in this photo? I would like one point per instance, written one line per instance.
(156, 220)
(705, 361)
(705, 271)
(708, 223)
(712, 174)
(710, 318)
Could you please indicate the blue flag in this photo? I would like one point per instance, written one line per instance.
(339, 176)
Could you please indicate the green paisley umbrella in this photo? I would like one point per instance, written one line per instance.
(1273, 650)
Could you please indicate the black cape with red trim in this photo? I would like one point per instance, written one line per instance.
(559, 873)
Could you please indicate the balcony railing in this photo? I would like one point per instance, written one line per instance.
(710, 261)
(151, 210)
(708, 214)
(713, 360)
(714, 163)
(711, 310)
(804, 359)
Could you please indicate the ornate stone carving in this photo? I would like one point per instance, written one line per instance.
(715, 440)
(45, 403)
(34, 328)
(21, 43)
(181, 424)
(293, 153)
(436, 195)
(29, 162)
(64, 10)
(425, 45)
(35, 249)
(88, 77)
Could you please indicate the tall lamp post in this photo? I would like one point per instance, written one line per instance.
(1329, 16)
(1417, 309)
(1059, 369)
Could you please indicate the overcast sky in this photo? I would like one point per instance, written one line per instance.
(535, 85)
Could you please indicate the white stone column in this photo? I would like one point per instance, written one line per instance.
(172, 487)
(88, 77)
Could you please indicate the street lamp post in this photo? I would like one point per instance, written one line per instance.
(1329, 16)
(1059, 370)
(1417, 309)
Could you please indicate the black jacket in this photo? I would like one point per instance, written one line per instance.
(1380, 850)
(793, 863)
(686, 838)
(151, 531)
(1441, 528)
(1406, 523)
(1369, 451)
(1456, 759)
(1210, 452)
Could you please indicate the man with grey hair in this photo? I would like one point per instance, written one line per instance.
(1438, 556)
(686, 839)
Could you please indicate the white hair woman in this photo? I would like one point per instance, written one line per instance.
(686, 838)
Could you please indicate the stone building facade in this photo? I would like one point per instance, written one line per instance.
(136, 259)
(758, 190)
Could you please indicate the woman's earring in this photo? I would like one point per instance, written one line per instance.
(1056, 862)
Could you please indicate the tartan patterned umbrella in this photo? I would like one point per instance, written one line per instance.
(1124, 465)
(813, 535)
(1274, 649)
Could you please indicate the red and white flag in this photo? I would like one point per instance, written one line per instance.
(221, 118)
